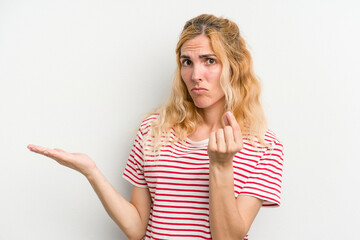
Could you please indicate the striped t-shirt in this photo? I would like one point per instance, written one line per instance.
(178, 181)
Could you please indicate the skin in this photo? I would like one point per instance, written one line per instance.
(132, 217)
(230, 217)
(202, 69)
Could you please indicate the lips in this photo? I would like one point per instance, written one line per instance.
(199, 90)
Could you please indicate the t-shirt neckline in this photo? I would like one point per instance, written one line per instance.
(198, 143)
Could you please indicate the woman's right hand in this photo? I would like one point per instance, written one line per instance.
(77, 161)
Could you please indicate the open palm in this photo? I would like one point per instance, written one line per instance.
(77, 161)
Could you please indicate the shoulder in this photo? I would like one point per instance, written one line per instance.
(268, 140)
(273, 142)
(271, 138)
(147, 121)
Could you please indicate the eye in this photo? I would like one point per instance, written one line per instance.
(210, 61)
(186, 62)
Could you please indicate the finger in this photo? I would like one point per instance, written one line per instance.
(220, 140)
(59, 153)
(229, 136)
(235, 126)
(55, 154)
(58, 149)
(37, 149)
(212, 142)
(226, 121)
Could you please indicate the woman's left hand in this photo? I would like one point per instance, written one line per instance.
(225, 142)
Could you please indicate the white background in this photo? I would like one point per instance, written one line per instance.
(80, 75)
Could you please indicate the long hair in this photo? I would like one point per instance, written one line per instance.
(238, 81)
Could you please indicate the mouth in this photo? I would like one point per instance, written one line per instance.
(199, 90)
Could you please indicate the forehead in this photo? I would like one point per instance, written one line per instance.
(199, 43)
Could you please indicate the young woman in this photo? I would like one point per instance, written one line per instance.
(204, 163)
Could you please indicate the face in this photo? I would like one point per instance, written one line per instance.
(201, 71)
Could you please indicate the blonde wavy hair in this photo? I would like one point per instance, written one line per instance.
(238, 81)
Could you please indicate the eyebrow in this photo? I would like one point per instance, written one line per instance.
(200, 56)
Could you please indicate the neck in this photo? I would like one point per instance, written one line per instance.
(212, 121)
(212, 116)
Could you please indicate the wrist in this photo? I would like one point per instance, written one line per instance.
(91, 173)
(221, 166)
(221, 176)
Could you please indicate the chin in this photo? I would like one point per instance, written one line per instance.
(201, 105)
(204, 101)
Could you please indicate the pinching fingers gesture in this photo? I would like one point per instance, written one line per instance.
(225, 142)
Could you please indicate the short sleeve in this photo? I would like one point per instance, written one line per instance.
(134, 169)
(265, 180)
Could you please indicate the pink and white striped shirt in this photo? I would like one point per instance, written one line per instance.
(178, 181)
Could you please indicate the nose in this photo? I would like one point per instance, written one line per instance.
(197, 73)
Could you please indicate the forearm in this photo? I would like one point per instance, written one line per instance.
(225, 220)
(119, 209)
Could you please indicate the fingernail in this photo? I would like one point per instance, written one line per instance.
(226, 121)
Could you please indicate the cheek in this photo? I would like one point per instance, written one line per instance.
(185, 75)
(216, 76)
(218, 71)
(182, 73)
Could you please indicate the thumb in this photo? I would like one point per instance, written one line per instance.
(226, 119)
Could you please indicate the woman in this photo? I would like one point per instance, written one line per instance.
(205, 162)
